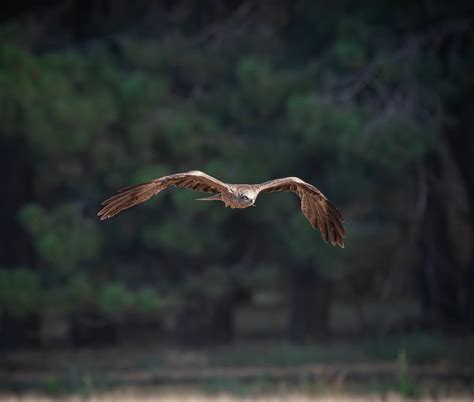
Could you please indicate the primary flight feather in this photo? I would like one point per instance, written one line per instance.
(315, 206)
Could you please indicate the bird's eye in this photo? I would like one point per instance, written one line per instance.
(245, 198)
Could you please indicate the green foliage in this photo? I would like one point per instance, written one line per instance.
(74, 380)
(149, 172)
(80, 291)
(355, 29)
(115, 299)
(58, 118)
(146, 54)
(52, 385)
(77, 120)
(62, 237)
(75, 293)
(213, 284)
(351, 54)
(178, 129)
(299, 236)
(321, 123)
(421, 347)
(398, 140)
(33, 219)
(170, 236)
(285, 354)
(20, 292)
(252, 73)
(16, 71)
(262, 89)
(331, 95)
(147, 302)
(404, 383)
(390, 141)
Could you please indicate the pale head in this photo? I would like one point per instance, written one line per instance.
(247, 197)
(240, 196)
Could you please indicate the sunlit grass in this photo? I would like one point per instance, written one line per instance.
(136, 396)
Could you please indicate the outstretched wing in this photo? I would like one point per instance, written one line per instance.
(131, 196)
(315, 206)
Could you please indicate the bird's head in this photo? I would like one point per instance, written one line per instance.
(247, 198)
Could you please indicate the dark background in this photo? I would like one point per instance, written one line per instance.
(371, 101)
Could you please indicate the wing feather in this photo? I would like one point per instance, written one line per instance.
(317, 209)
(130, 196)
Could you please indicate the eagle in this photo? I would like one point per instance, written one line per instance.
(315, 206)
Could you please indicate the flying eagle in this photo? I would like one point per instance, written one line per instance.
(315, 206)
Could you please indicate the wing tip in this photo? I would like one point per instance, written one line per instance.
(103, 216)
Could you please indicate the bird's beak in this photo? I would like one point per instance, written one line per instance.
(253, 205)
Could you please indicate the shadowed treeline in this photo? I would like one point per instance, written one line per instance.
(371, 102)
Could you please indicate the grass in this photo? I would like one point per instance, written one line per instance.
(283, 354)
(405, 384)
(221, 385)
(374, 366)
(422, 348)
(138, 395)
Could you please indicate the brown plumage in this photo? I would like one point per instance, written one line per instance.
(315, 206)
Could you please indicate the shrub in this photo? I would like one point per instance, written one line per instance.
(20, 292)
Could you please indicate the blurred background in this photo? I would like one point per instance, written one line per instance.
(371, 101)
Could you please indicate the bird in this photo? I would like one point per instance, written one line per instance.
(315, 206)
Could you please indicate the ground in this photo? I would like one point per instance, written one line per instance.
(389, 369)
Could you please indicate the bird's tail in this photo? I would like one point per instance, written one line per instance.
(215, 197)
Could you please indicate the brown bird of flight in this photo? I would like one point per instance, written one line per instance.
(315, 206)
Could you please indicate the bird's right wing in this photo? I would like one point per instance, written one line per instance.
(131, 196)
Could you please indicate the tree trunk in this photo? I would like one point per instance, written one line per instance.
(92, 329)
(310, 302)
(16, 332)
(462, 146)
(222, 321)
(15, 244)
(201, 321)
(438, 282)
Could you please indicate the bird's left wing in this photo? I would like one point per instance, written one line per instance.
(315, 206)
(131, 196)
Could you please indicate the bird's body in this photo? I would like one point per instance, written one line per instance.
(315, 206)
(239, 196)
